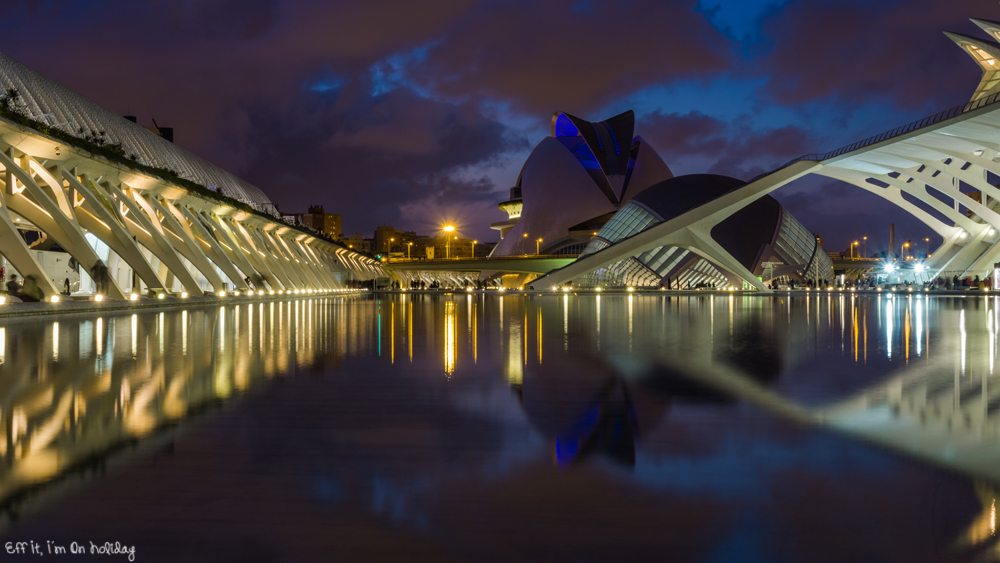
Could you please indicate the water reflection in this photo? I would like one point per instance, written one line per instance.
(71, 392)
(592, 407)
(637, 383)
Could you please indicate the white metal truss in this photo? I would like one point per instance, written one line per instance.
(172, 240)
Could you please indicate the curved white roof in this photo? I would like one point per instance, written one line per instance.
(48, 101)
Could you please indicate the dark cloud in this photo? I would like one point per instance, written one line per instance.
(733, 148)
(570, 56)
(859, 51)
(422, 106)
(370, 156)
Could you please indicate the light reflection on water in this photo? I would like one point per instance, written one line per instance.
(911, 373)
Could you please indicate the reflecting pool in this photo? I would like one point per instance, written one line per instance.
(466, 427)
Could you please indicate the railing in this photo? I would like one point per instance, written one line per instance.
(901, 130)
(481, 258)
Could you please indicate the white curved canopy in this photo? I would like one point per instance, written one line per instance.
(48, 101)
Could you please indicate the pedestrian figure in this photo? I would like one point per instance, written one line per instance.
(30, 292)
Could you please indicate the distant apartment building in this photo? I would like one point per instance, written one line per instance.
(358, 242)
(318, 220)
(387, 237)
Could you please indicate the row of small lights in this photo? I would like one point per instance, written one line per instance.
(184, 295)
(632, 289)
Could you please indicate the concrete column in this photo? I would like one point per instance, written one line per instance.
(57, 220)
(148, 232)
(17, 252)
(184, 243)
(98, 215)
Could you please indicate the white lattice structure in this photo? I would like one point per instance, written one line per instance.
(944, 170)
(147, 229)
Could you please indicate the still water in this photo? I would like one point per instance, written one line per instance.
(464, 427)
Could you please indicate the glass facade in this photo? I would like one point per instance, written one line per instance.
(630, 220)
(797, 246)
(794, 245)
(702, 272)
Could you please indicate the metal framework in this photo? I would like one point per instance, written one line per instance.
(105, 214)
(943, 169)
(173, 240)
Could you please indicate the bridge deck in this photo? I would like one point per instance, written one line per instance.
(508, 264)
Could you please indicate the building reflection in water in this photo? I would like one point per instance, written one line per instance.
(589, 372)
(72, 394)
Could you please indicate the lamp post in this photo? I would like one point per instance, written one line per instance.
(928, 241)
(522, 243)
(473, 256)
(537, 242)
(865, 239)
(408, 245)
(855, 243)
(447, 243)
(902, 253)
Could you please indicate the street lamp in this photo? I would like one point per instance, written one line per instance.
(522, 243)
(865, 239)
(852, 249)
(447, 242)
(928, 241)
(536, 246)
(902, 253)
(408, 245)
(473, 256)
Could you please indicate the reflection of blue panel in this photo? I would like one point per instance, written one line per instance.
(568, 444)
(565, 127)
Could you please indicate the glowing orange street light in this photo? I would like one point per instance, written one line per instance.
(522, 242)
(536, 246)
(447, 242)
(474, 249)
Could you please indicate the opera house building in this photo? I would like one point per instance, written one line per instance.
(591, 185)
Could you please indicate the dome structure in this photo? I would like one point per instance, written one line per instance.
(763, 237)
(573, 182)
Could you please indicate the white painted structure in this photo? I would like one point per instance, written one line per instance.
(955, 154)
(150, 233)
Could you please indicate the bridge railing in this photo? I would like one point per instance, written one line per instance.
(482, 258)
(901, 130)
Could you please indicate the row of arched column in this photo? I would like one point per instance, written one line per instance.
(171, 239)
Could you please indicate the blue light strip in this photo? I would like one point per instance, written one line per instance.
(615, 139)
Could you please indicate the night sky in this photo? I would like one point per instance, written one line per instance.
(418, 113)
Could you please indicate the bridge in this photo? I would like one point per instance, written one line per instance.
(936, 154)
(133, 209)
(538, 265)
